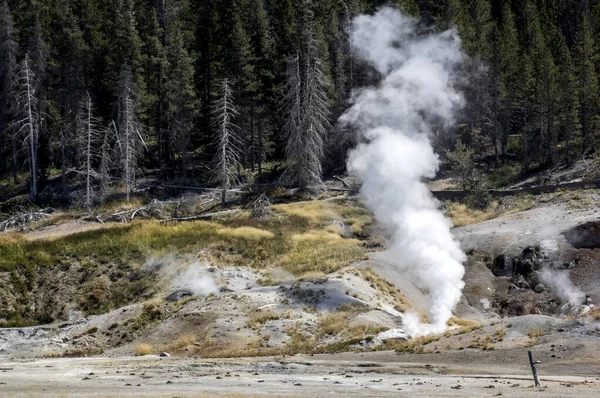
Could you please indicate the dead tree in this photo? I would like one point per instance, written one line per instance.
(306, 110)
(130, 139)
(106, 161)
(262, 208)
(228, 142)
(91, 153)
(27, 128)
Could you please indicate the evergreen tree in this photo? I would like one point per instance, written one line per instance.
(542, 134)
(154, 62)
(180, 95)
(8, 72)
(583, 56)
(511, 71)
(568, 105)
(263, 67)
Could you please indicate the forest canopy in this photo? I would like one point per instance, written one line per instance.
(100, 92)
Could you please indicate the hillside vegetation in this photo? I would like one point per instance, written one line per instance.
(104, 269)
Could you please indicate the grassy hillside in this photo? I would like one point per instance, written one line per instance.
(99, 270)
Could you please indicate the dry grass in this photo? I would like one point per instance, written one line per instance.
(462, 215)
(454, 321)
(385, 288)
(412, 346)
(335, 228)
(257, 319)
(333, 323)
(297, 244)
(313, 277)
(12, 238)
(534, 333)
(55, 219)
(320, 214)
(321, 251)
(247, 233)
(337, 323)
(317, 213)
(121, 204)
(183, 341)
(142, 350)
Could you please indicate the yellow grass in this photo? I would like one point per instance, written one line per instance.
(338, 321)
(317, 236)
(462, 215)
(247, 233)
(183, 341)
(321, 251)
(142, 350)
(317, 213)
(12, 238)
(335, 228)
(454, 321)
(386, 288)
(535, 333)
(258, 318)
(333, 323)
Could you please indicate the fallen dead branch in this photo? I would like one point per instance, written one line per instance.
(153, 209)
(340, 179)
(261, 208)
(20, 221)
(207, 216)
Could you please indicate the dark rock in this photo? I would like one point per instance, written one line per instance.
(178, 295)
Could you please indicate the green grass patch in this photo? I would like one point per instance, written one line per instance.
(287, 242)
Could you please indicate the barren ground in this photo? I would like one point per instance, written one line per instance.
(481, 360)
(378, 374)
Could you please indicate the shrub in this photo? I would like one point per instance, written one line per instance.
(142, 350)
(535, 333)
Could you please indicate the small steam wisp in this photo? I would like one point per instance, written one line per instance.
(561, 283)
(196, 280)
(395, 120)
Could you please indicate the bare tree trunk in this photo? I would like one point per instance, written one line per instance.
(63, 161)
(130, 137)
(88, 157)
(32, 137)
(261, 148)
(228, 142)
(15, 167)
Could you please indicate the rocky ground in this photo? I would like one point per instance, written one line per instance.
(378, 374)
(233, 311)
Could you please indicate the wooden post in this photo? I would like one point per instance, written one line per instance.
(533, 370)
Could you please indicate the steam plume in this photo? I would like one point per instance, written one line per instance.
(560, 282)
(395, 120)
(196, 280)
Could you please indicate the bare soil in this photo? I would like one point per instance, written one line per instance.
(376, 374)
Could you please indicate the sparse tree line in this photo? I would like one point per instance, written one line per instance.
(95, 92)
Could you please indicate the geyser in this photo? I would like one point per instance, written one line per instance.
(395, 122)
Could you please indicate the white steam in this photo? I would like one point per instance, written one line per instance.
(395, 119)
(195, 280)
(561, 284)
